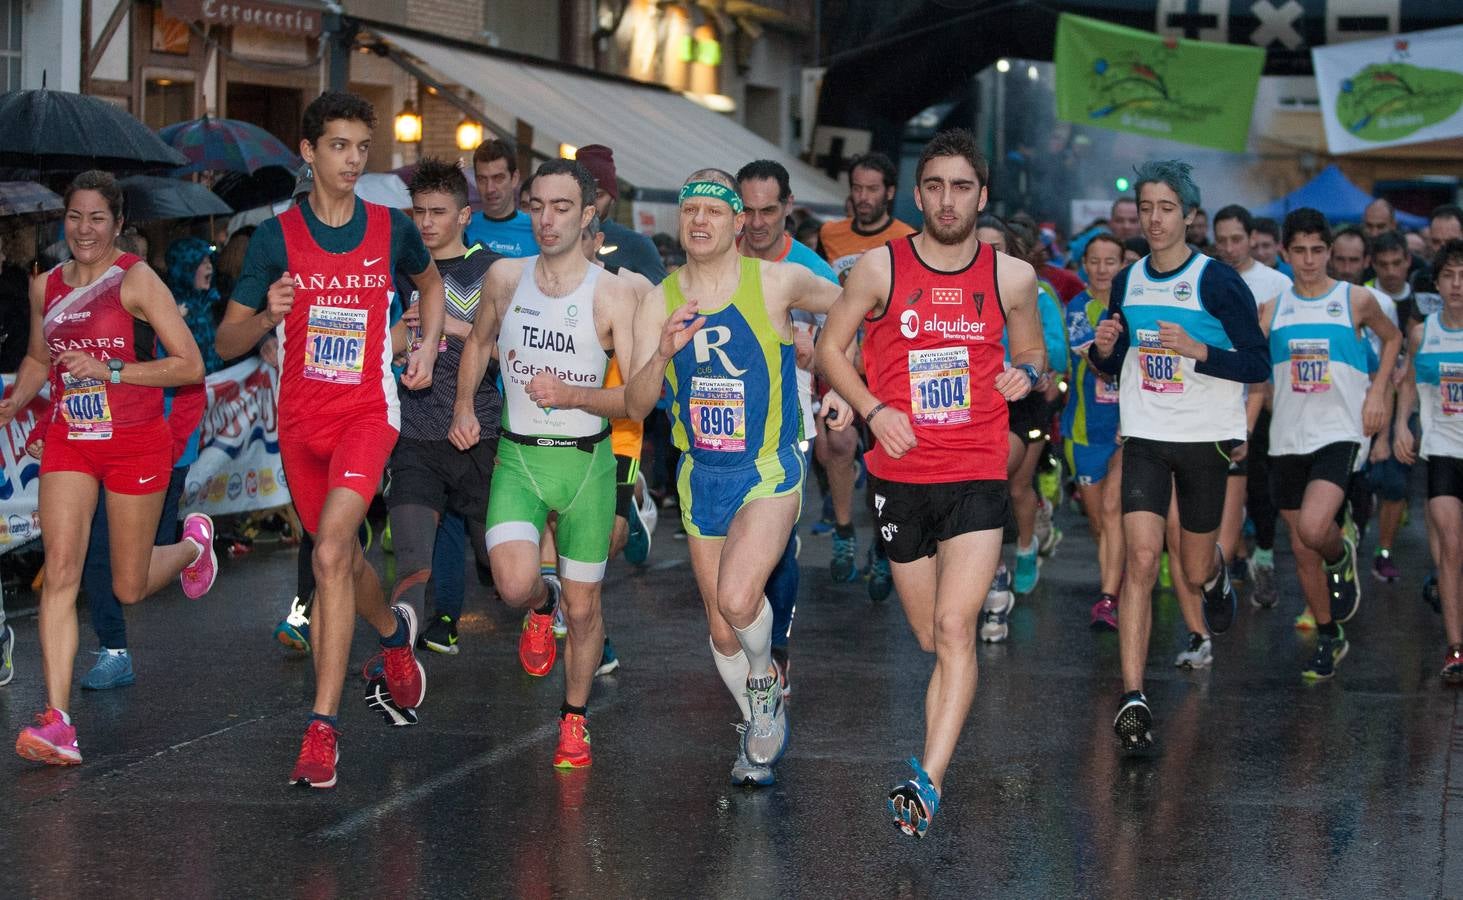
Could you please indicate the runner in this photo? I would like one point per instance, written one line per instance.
(732, 381)
(501, 227)
(1233, 226)
(872, 180)
(1090, 426)
(1436, 350)
(934, 308)
(766, 191)
(427, 477)
(1326, 404)
(94, 321)
(1195, 340)
(555, 320)
(623, 249)
(319, 277)
(1123, 219)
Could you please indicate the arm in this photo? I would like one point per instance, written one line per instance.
(1366, 312)
(807, 291)
(1025, 336)
(1227, 299)
(1110, 342)
(146, 297)
(432, 307)
(477, 350)
(653, 353)
(865, 292)
(1403, 443)
(37, 362)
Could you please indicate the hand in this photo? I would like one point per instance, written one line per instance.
(1107, 334)
(1049, 385)
(1403, 445)
(1173, 337)
(1373, 414)
(836, 412)
(549, 391)
(8, 411)
(84, 365)
(1381, 450)
(269, 351)
(1239, 453)
(419, 366)
(679, 328)
(893, 431)
(280, 299)
(465, 431)
(1013, 384)
(802, 344)
(35, 446)
(412, 318)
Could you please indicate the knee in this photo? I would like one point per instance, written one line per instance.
(62, 570)
(515, 588)
(1142, 563)
(333, 559)
(127, 592)
(1314, 533)
(925, 635)
(955, 632)
(581, 613)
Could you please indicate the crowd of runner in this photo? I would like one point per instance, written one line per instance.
(500, 371)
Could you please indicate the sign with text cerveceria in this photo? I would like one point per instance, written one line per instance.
(277, 17)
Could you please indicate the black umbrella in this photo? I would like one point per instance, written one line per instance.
(56, 130)
(28, 200)
(268, 185)
(151, 197)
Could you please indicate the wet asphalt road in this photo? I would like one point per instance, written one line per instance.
(1262, 787)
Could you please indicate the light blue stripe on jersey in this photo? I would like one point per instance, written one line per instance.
(1325, 406)
(1440, 360)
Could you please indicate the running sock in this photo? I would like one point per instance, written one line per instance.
(565, 710)
(320, 717)
(756, 641)
(844, 531)
(548, 608)
(399, 636)
(733, 671)
(1330, 629)
(1263, 559)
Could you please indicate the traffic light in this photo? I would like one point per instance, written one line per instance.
(1121, 183)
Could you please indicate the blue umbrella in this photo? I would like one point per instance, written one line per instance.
(226, 145)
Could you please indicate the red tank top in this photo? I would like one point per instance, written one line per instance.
(92, 319)
(336, 341)
(934, 354)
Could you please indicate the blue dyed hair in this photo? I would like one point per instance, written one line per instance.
(1172, 172)
(183, 258)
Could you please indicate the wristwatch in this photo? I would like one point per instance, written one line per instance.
(1031, 372)
(114, 365)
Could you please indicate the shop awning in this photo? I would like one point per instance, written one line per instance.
(659, 137)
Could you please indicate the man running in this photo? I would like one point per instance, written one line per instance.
(319, 276)
(1183, 339)
(555, 320)
(1326, 405)
(766, 191)
(501, 226)
(934, 308)
(427, 476)
(1436, 349)
(726, 335)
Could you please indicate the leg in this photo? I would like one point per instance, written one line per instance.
(782, 592)
(140, 569)
(584, 643)
(836, 452)
(67, 503)
(1023, 491)
(344, 585)
(1232, 523)
(96, 580)
(414, 531)
(449, 567)
(1316, 540)
(1191, 601)
(1143, 540)
(1445, 520)
(1110, 545)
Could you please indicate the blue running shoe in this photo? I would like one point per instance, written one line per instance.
(843, 568)
(824, 525)
(913, 804)
(7, 650)
(1028, 569)
(113, 669)
(637, 545)
(608, 660)
(881, 579)
(294, 629)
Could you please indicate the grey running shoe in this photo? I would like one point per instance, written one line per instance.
(1198, 653)
(765, 739)
(744, 772)
(1262, 585)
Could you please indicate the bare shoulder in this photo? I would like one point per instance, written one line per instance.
(615, 291)
(638, 283)
(873, 267)
(1016, 278)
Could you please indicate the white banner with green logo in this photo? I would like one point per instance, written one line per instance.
(1403, 89)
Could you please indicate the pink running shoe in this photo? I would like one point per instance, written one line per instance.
(50, 741)
(198, 576)
(1105, 613)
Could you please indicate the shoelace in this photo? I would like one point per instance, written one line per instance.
(539, 629)
(398, 661)
(319, 745)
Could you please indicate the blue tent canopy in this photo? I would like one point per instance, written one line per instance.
(1336, 197)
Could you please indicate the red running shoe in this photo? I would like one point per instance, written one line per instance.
(537, 648)
(318, 755)
(573, 752)
(1453, 665)
(50, 741)
(405, 677)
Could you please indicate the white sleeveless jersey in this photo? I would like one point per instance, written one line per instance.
(1319, 366)
(1160, 395)
(1439, 365)
(556, 334)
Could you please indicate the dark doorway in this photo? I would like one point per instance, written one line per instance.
(275, 109)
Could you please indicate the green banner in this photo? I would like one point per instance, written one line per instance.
(1129, 80)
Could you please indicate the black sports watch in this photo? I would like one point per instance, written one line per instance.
(1031, 373)
(115, 366)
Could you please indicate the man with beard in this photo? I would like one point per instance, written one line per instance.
(934, 308)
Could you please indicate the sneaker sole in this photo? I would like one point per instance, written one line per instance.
(446, 649)
(28, 746)
(121, 682)
(566, 765)
(1100, 625)
(1193, 666)
(1133, 733)
(1309, 675)
(293, 640)
(212, 564)
(906, 825)
(755, 781)
(1452, 678)
(614, 664)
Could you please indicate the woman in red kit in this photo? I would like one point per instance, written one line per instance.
(95, 322)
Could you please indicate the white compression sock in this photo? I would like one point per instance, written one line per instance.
(756, 640)
(733, 671)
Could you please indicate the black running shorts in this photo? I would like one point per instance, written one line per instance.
(914, 518)
(1198, 470)
(437, 475)
(1290, 474)
(1444, 477)
(1030, 418)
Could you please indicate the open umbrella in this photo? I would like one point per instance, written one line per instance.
(60, 131)
(29, 200)
(151, 197)
(261, 188)
(226, 145)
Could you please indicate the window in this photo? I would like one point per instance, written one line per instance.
(10, 45)
(165, 101)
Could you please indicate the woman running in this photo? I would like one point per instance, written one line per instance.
(94, 323)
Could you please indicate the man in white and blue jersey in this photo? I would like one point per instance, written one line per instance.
(766, 192)
(1328, 401)
(1435, 347)
(718, 332)
(1184, 339)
